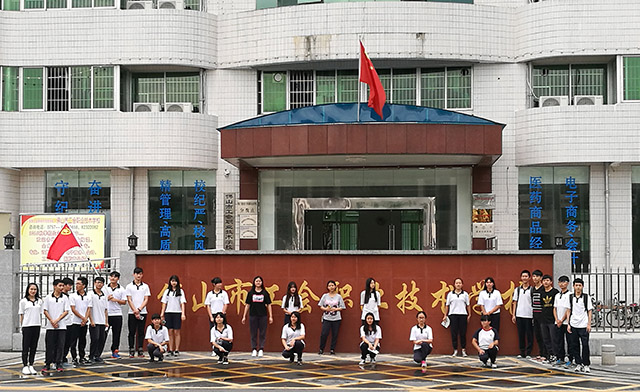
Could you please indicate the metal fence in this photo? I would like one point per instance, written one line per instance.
(615, 298)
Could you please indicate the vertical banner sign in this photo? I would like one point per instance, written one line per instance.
(571, 216)
(248, 217)
(482, 218)
(535, 212)
(165, 214)
(199, 214)
(229, 221)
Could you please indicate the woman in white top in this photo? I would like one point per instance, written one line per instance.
(221, 338)
(293, 338)
(370, 300)
(422, 338)
(458, 309)
(490, 301)
(370, 333)
(292, 302)
(172, 313)
(331, 305)
(29, 310)
(217, 300)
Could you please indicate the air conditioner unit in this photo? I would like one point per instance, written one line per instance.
(554, 101)
(139, 4)
(588, 100)
(170, 4)
(186, 107)
(146, 107)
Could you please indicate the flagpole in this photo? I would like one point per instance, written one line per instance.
(359, 74)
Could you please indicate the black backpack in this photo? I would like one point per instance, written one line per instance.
(584, 297)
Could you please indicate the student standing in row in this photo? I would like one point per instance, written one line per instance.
(217, 300)
(157, 337)
(138, 294)
(523, 315)
(221, 338)
(98, 320)
(536, 305)
(370, 333)
(547, 320)
(258, 306)
(459, 311)
(173, 304)
(66, 291)
(116, 297)
(292, 337)
(55, 308)
(331, 305)
(291, 302)
(422, 338)
(490, 301)
(580, 313)
(80, 303)
(29, 310)
(485, 340)
(370, 300)
(561, 306)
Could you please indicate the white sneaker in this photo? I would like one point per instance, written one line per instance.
(254, 353)
(33, 370)
(260, 354)
(579, 369)
(362, 362)
(455, 353)
(26, 371)
(587, 370)
(373, 360)
(424, 365)
(464, 352)
(213, 354)
(494, 366)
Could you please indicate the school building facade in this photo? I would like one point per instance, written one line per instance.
(231, 124)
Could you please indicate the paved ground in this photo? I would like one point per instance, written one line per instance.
(200, 371)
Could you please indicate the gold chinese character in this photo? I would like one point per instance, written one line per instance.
(507, 298)
(272, 290)
(475, 292)
(197, 305)
(166, 286)
(383, 305)
(408, 300)
(441, 296)
(305, 292)
(345, 293)
(238, 292)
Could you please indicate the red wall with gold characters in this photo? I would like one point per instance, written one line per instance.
(408, 282)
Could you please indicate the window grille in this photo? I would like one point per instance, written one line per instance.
(57, 89)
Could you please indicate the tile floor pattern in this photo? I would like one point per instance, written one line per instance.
(201, 371)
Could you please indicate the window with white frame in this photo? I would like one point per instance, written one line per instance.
(569, 81)
(167, 87)
(631, 78)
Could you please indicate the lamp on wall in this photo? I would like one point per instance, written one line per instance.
(132, 241)
(9, 241)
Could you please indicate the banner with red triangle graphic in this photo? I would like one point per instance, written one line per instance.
(63, 242)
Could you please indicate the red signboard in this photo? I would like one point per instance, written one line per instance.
(408, 283)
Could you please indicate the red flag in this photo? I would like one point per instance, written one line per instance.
(368, 75)
(63, 242)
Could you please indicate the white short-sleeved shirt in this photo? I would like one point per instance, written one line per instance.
(81, 303)
(216, 300)
(30, 311)
(418, 333)
(457, 302)
(119, 293)
(524, 308)
(159, 336)
(372, 306)
(173, 301)
(227, 333)
(562, 304)
(137, 294)
(98, 306)
(288, 334)
(56, 306)
(580, 315)
(290, 307)
(485, 337)
(490, 300)
(371, 337)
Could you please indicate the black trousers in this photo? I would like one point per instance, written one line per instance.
(495, 321)
(115, 325)
(297, 348)
(364, 350)
(537, 330)
(489, 354)
(78, 335)
(67, 342)
(54, 342)
(580, 336)
(458, 327)
(136, 328)
(329, 327)
(422, 353)
(525, 335)
(154, 351)
(258, 323)
(98, 338)
(561, 337)
(549, 337)
(30, 337)
(227, 346)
